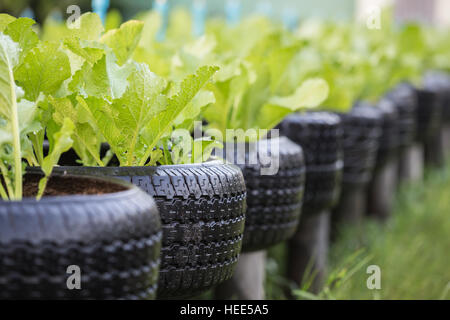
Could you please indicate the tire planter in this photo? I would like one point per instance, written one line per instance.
(114, 239)
(320, 135)
(410, 162)
(429, 113)
(274, 202)
(383, 184)
(362, 130)
(435, 145)
(405, 100)
(389, 138)
(202, 208)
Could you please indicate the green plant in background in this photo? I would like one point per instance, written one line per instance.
(253, 58)
(410, 251)
(248, 90)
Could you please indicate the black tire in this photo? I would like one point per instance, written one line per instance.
(389, 139)
(320, 136)
(273, 201)
(439, 83)
(405, 100)
(202, 208)
(446, 107)
(429, 114)
(114, 238)
(362, 130)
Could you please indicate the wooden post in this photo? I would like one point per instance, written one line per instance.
(247, 282)
(308, 251)
(411, 163)
(382, 190)
(446, 140)
(351, 208)
(434, 150)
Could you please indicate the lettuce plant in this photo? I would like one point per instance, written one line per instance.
(253, 57)
(249, 88)
(21, 86)
(112, 98)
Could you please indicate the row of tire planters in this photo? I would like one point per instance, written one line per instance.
(362, 131)
(405, 99)
(102, 236)
(383, 184)
(320, 135)
(435, 147)
(274, 197)
(202, 210)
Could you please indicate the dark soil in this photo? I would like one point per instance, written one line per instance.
(67, 185)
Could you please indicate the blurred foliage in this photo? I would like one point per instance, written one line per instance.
(412, 251)
(42, 8)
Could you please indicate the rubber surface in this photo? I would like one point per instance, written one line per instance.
(273, 201)
(405, 100)
(429, 114)
(202, 209)
(114, 239)
(388, 141)
(439, 82)
(320, 135)
(362, 130)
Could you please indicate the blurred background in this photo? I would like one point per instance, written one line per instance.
(435, 12)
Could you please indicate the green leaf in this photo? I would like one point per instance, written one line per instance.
(123, 41)
(192, 112)
(62, 143)
(161, 124)
(203, 148)
(309, 95)
(86, 140)
(44, 69)
(21, 32)
(5, 20)
(9, 57)
(113, 19)
(105, 79)
(88, 50)
(122, 121)
(90, 27)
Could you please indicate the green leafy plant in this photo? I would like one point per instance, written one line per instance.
(249, 89)
(25, 61)
(112, 98)
(253, 57)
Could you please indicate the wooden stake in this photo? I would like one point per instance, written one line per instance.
(308, 252)
(411, 164)
(382, 190)
(247, 282)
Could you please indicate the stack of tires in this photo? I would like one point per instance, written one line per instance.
(362, 130)
(320, 135)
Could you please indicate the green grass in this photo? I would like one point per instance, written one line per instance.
(412, 250)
